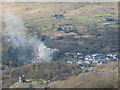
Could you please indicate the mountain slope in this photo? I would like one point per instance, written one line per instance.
(103, 76)
(82, 24)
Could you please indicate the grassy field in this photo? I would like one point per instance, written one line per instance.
(31, 83)
(41, 17)
(21, 85)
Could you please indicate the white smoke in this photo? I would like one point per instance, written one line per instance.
(18, 36)
(15, 29)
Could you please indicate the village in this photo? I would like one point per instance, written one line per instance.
(86, 61)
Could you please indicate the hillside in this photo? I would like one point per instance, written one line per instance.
(69, 27)
(41, 15)
(103, 76)
(53, 71)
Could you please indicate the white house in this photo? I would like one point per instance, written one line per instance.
(69, 62)
(95, 61)
(93, 55)
(79, 62)
(87, 62)
(78, 53)
(86, 58)
(99, 63)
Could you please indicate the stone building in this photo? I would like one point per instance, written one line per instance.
(22, 79)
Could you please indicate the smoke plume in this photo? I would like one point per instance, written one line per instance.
(18, 36)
